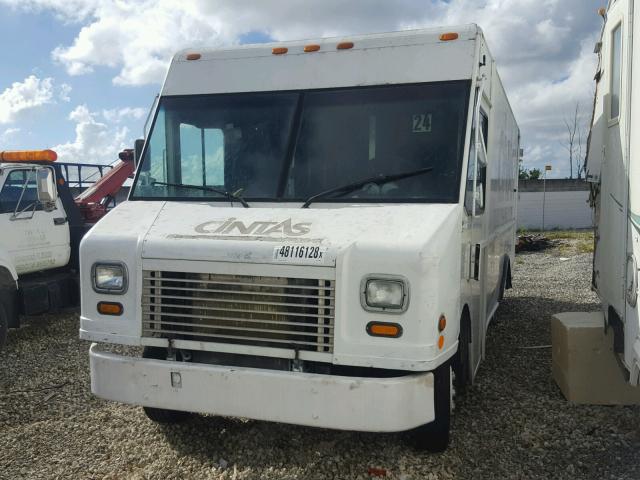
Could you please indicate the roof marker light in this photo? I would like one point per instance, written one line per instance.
(28, 156)
(447, 37)
(311, 48)
(193, 56)
(344, 45)
(279, 50)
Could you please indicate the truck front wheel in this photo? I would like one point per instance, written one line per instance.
(434, 436)
(161, 415)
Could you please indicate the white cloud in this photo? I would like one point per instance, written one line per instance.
(32, 92)
(120, 114)
(65, 90)
(139, 38)
(543, 47)
(9, 135)
(95, 142)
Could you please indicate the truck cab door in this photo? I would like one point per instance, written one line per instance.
(475, 204)
(36, 238)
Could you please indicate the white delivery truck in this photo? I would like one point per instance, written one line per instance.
(613, 168)
(318, 234)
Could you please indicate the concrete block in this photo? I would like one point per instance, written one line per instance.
(583, 363)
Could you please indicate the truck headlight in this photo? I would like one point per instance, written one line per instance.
(384, 294)
(110, 278)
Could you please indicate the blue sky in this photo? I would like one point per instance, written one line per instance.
(50, 125)
(80, 75)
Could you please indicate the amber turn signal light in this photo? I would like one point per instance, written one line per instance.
(447, 37)
(279, 50)
(311, 48)
(344, 45)
(110, 308)
(441, 342)
(378, 329)
(442, 323)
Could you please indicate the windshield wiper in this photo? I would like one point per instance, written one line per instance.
(378, 180)
(229, 195)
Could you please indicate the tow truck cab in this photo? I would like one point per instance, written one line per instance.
(319, 233)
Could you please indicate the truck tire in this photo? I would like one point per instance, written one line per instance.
(434, 437)
(462, 361)
(161, 415)
(4, 325)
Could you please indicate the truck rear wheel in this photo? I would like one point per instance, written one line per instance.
(4, 324)
(434, 436)
(161, 415)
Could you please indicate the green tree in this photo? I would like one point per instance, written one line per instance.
(535, 174)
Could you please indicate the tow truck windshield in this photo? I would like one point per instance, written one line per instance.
(290, 146)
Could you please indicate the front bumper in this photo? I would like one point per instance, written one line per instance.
(328, 401)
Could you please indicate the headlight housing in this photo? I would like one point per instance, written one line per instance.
(384, 293)
(110, 278)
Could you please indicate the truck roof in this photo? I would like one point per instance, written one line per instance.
(412, 56)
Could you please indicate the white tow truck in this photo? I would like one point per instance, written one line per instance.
(37, 235)
(319, 233)
(613, 168)
(41, 225)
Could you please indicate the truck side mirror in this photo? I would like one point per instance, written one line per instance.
(137, 150)
(47, 190)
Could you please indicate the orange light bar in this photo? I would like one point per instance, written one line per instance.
(344, 45)
(447, 37)
(110, 308)
(279, 50)
(441, 342)
(28, 156)
(442, 323)
(378, 329)
(311, 48)
(193, 56)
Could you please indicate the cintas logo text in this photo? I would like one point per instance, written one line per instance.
(233, 226)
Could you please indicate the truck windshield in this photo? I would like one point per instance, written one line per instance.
(290, 146)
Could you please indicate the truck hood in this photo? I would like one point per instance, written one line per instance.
(194, 231)
(206, 232)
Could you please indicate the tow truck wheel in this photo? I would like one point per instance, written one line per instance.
(161, 415)
(434, 436)
(4, 324)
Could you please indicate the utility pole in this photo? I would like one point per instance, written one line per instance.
(547, 168)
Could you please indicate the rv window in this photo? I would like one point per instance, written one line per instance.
(616, 71)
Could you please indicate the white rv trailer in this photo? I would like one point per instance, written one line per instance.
(613, 167)
(318, 233)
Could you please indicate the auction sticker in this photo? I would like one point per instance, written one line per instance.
(299, 254)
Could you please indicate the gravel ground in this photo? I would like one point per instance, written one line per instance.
(514, 423)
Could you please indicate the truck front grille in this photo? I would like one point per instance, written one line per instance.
(296, 313)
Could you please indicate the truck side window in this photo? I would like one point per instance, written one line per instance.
(616, 71)
(12, 189)
(477, 168)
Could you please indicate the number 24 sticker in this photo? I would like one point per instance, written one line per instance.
(422, 123)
